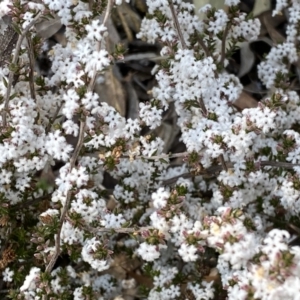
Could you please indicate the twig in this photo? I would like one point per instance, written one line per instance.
(279, 164)
(202, 106)
(214, 169)
(223, 48)
(52, 120)
(73, 161)
(177, 26)
(31, 75)
(204, 47)
(105, 19)
(174, 179)
(31, 68)
(162, 156)
(14, 62)
(68, 199)
(119, 230)
(97, 231)
(223, 163)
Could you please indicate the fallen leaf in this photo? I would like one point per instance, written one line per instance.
(247, 59)
(48, 28)
(111, 91)
(245, 101)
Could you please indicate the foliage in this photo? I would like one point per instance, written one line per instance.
(216, 226)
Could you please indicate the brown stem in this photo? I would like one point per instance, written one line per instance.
(68, 199)
(31, 68)
(279, 164)
(177, 26)
(202, 106)
(73, 161)
(223, 163)
(162, 156)
(105, 19)
(14, 62)
(214, 169)
(125, 230)
(223, 48)
(203, 46)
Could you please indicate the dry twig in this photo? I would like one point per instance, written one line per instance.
(14, 62)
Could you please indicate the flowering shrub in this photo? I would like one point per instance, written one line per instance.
(217, 226)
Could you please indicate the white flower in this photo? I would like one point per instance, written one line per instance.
(8, 275)
(31, 279)
(88, 249)
(219, 23)
(160, 223)
(148, 252)
(113, 221)
(71, 235)
(98, 60)
(150, 115)
(188, 252)
(90, 100)
(166, 275)
(160, 198)
(70, 127)
(206, 292)
(71, 103)
(95, 30)
(57, 146)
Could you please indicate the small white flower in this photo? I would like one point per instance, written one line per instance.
(95, 30)
(88, 249)
(30, 281)
(160, 198)
(8, 275)
(148, 252)
(188, 252)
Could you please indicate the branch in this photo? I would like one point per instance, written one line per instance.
(105, 19)
(73, 161)
(162, 156)
(223, 49)
(202, 106)
(14, 62)
(177, 26)
(278, 164)
(31, 68)
(214, 169)
(97, 231)
(204, 47)
(68, 199)
(223, 163)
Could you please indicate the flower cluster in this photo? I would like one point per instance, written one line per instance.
(223, 223)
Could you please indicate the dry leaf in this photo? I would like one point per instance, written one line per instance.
(122, 265)
(245, 101)
(133, 101)
(247, 59)
(48, 28)
(167, 133)
(142, 279)
(213, 275)
(129, 19)
(111, 91)
(267, 21)
(261, 6)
